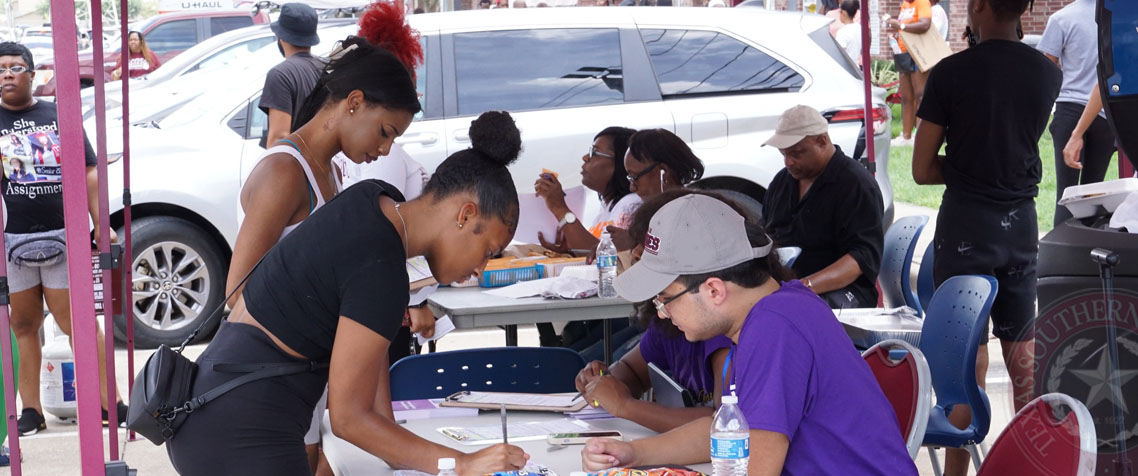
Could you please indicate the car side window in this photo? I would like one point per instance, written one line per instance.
(219, 25)
(709, 62)
(250, 121)
(178, 35)
(233, 54)
(565, 67)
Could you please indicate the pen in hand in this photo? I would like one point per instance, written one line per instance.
(505, 437)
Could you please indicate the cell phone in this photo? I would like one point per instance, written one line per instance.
(581, 438)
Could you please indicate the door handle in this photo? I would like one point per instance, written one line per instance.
(462, 135)
(424, 138)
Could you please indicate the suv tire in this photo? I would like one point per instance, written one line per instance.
(178, 280)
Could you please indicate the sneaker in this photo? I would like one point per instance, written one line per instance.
(31, 422)
(901, 142)
(5, 459)
(121, 409)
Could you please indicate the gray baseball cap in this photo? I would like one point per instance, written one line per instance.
(693, 234)
(296, 25)
(796, 124)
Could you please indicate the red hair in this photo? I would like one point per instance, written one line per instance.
(385, 26)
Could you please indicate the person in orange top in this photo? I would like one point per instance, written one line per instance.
(916, 16)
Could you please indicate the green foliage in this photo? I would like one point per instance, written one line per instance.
(135, 9)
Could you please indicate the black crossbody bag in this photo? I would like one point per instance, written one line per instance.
(163, 395)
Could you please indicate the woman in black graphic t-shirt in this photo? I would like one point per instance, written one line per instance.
(335, 290)
(35, 205)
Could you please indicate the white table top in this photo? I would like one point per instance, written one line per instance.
(470, 307)
(348, 460)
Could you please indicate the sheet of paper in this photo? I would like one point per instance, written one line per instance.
(534, 216)
(590, 413)
(522, 399)
(522, 289)
(443, 326)
(417, 269)
(530, 431)
(428, 408)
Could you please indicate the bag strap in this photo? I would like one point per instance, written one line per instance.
(221, 305)
(264, 371)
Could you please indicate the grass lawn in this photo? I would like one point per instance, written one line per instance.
(905, 190)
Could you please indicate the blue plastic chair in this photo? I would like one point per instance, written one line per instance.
(498, 369)
(955, 326)
(925, 285)
(897, 262)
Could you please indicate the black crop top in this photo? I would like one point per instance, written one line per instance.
(346, 259)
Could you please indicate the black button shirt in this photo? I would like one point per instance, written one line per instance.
(840, 214)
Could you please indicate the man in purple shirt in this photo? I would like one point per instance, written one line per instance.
(813, 406)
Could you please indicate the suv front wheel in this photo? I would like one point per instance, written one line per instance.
(178, 280)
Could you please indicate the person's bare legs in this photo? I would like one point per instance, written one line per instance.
(26, 315)
(1019, 357)
(908, 106)
(918, 80)
(58, 302)
(956, 461)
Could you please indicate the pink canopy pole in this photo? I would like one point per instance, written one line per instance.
(8, 365)
(866, 74)
(83, 325)
(104, 224)
(128, 258)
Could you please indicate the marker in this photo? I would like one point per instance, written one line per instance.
(505, 437)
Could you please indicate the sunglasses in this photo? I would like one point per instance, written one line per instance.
(662, 304)
(15, 70)
(633, 178)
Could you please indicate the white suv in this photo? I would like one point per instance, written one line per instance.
(719, 78)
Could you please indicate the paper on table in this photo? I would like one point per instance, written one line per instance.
(428, 408)
(531, 468)
(522, 289)
(443, 326)
(529, 431)
(534, 216)
(522, 399)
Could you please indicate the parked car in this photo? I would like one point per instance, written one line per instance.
(167, 35)
(232, 49)
(718, 78)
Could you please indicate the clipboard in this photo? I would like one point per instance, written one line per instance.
(667, 392)
(540, 402)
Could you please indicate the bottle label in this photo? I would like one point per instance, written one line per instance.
(606, 261)
(730, 448)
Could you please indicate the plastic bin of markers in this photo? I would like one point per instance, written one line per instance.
(505, 277)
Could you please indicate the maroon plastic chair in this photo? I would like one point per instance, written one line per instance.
(1053, 435)
(907, 384)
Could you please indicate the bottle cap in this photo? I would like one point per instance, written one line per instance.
(729, 399)
(446, 463)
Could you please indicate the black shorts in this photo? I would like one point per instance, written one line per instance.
(255, 429)
(904, 63)
(1001, 241)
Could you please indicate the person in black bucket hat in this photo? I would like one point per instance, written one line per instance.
(296, 25)
(289, 83)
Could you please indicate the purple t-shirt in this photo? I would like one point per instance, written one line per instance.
(689, 362)
(797, 373)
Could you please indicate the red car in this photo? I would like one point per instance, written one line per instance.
(167, 35)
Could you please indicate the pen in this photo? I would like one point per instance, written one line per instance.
(505, 438)
(600, 374)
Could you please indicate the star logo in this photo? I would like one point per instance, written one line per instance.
(1101, 382)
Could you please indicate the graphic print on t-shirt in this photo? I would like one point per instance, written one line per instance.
(138, 63)
(31, 159)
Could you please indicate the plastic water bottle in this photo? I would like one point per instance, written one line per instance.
(730, 439)
(606, 266)
(446, 467)
(893, 45)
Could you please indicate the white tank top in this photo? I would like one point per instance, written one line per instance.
(316, 198)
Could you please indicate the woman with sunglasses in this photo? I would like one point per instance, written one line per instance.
(603, 172)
